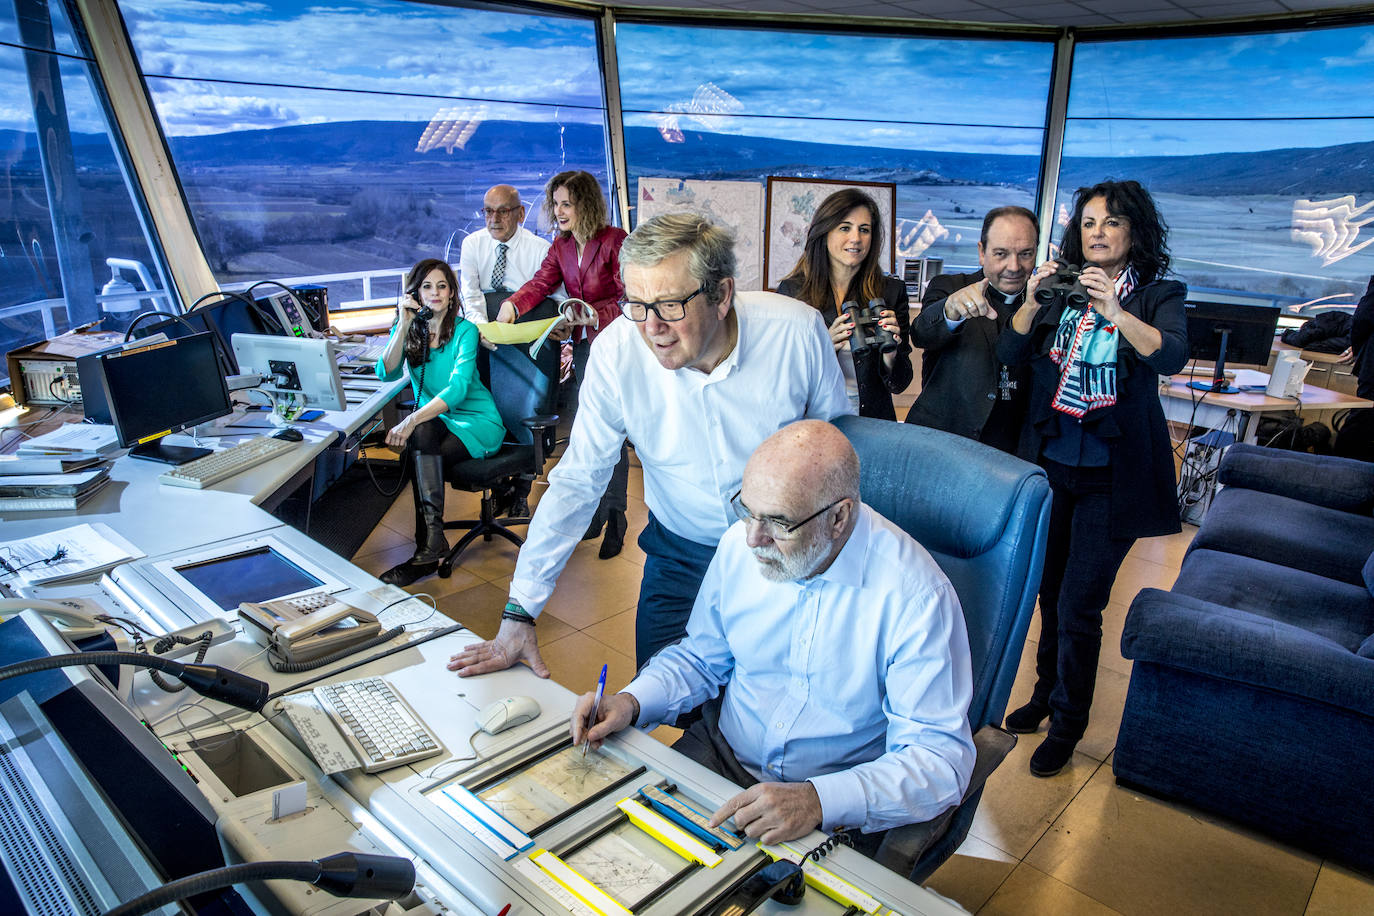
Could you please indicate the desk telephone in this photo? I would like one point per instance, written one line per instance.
(307, 627)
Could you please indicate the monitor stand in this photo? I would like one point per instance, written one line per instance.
(168, 454)
(1218, 384)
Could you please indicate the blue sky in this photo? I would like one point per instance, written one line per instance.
(984, 96)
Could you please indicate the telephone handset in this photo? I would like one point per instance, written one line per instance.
(65, 615)
(308, 627)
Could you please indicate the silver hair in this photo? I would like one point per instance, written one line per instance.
(712, 249)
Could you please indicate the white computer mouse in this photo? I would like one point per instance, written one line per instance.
(507, 713)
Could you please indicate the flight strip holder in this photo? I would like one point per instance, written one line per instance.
(606, 835)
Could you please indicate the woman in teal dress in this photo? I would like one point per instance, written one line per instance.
(455, 417)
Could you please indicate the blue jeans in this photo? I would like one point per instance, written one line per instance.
(673, 570)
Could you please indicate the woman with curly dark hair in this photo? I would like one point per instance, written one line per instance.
(839, 264)
(1096, 426)
(455, 417)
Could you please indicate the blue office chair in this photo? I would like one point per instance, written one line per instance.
(983, 516)
(525, 390)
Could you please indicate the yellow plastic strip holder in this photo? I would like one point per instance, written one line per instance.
(675, 805)
(581, 888)
(826, 881)
(668, 833)
(558, 892)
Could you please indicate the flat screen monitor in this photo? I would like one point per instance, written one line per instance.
(212, 581)
(298, 372)
(98, 811)
(162, 388)
(1225, 332)
(257, 574)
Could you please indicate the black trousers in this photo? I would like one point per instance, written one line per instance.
(433, 438)
(613, 500)
(1082, 559)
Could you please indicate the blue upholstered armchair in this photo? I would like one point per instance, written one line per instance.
(1252, 689)
(982, 514)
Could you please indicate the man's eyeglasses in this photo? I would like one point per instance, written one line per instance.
(488, 212)
(775, 527)
(665, 309)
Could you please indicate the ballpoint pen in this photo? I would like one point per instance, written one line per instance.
(596, 707)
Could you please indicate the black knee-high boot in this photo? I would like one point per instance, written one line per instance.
(430, 544)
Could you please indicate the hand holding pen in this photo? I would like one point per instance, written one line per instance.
(596, 718)
(596, 709)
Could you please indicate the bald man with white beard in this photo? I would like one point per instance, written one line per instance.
(831, 654)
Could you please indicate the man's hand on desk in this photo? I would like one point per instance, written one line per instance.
(617, 711)
(774, 812)
(514, 642)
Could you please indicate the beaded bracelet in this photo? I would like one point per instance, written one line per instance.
(515, 612)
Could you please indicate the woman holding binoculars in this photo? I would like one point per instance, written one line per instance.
(839, 267)
(1096, 349)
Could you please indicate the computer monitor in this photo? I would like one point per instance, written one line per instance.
(1226, 332)
(162, 388)
(101, 811)
(297, 372)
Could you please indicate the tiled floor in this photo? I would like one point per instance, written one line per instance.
(1073, 844)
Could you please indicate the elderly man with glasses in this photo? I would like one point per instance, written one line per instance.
(501, 257)
(830, 652)
(696, 379)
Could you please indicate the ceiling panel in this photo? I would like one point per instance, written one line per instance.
(1040, 12)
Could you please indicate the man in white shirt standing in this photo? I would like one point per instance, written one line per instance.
(839, 646)
(696, 379)
(502, 256)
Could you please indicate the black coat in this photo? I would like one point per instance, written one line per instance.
(1144, 489)
(960, 371)
(876, 382)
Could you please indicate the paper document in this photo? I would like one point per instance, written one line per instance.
(73, 437)
(499, 332)
(65, 554)
(405, 613)
(317, 730)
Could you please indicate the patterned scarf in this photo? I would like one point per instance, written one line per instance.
(1084, 349)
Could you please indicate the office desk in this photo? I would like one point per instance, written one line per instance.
(389, 812)
(1204, 408)
(394, 812)
(160, 518)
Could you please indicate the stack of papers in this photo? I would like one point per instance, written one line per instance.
(15, 465)
(77, 551)
(50, 492)
(73, 441)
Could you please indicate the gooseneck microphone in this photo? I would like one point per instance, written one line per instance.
(213, 681)
(345, 874)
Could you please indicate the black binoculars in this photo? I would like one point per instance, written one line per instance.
(1064, 285)
(867, 332)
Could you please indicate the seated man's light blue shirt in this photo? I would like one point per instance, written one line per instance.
(857, 679)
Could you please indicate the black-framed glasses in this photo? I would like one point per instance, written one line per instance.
(777, 528)
(488, 212)
(665, 309)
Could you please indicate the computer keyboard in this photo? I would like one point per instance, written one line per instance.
(362, 354)
(211, 469)
(379, 726)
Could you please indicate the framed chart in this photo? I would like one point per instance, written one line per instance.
(791, 202)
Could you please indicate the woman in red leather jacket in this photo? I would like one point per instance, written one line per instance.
(585, 261)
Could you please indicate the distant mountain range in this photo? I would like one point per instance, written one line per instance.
(362, 145)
